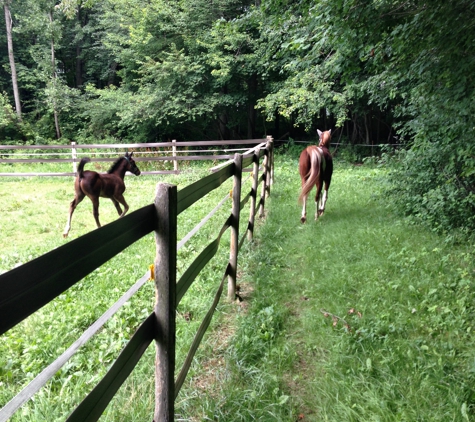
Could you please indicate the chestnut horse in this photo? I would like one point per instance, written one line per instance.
(316, 168)
(94, 185)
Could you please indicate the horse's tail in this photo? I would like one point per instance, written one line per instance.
(315, 157)
(81, 166)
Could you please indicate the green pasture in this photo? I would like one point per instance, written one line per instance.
(33, 214)
(360, 316)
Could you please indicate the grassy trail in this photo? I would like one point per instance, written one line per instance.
(359, 316)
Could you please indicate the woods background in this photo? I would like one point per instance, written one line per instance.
(381, 71)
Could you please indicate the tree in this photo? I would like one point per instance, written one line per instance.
(54, 77)
(166, 68)
(195, 69)
(16, 92)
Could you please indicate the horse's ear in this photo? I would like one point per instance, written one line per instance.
(130, 155)
(319, 133)
(330, 132)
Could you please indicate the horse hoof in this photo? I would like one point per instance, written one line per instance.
(65, 235)
(303, 220)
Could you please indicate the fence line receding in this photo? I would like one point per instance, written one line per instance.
(27, 288)
(145, 152)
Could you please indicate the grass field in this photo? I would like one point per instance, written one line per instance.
(33, 214)
(360, 316)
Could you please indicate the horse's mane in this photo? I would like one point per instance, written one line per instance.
(115, 165)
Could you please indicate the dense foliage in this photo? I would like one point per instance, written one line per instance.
(382, 71)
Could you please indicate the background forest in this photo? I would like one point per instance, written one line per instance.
(377, 72)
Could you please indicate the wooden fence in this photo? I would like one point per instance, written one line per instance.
(27, 288)
(171, 151)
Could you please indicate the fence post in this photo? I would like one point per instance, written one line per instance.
(165, 308)
(175, 162)
(268, 164)
(74, 156)
(236, 210)
(270, 142)
(265, 167)
(255, 183)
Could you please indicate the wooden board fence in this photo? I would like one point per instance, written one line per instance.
(143, 152)
(27, 288)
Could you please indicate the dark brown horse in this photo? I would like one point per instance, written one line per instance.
(316, 168)
(94, 185)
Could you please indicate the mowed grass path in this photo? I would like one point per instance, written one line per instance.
(360, 316)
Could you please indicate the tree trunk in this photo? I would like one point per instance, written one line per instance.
(366, 128)
(355, 129)
(16, 93)
(251, 121)
(223, 126)
(277, 125)
(53, 63)
(112, 73)
(79, 81)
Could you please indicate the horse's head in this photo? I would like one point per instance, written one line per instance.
(324, 138)
(131, 166)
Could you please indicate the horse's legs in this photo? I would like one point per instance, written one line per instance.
(303, 219)
(120, 199)
(317, 199)
(95, 209)
(323, 202)
(117, 206)
(77, 199)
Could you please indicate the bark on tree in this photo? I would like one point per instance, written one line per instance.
(252, 113)
(367, 139)
(53, 63)
(223, 120)
(79, 80)
(112, 73)
(16, 92)
(223, 126)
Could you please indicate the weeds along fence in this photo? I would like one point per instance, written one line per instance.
(161, 152)
(27, 288)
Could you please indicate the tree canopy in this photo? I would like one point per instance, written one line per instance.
(380, 71)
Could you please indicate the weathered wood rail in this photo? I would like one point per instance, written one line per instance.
(27, 288)
(170, 151)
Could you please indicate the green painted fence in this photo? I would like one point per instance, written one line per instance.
(27, 288)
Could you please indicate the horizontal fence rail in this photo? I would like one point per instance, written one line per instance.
(27, 288)
(144, 152)
(139, 145)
